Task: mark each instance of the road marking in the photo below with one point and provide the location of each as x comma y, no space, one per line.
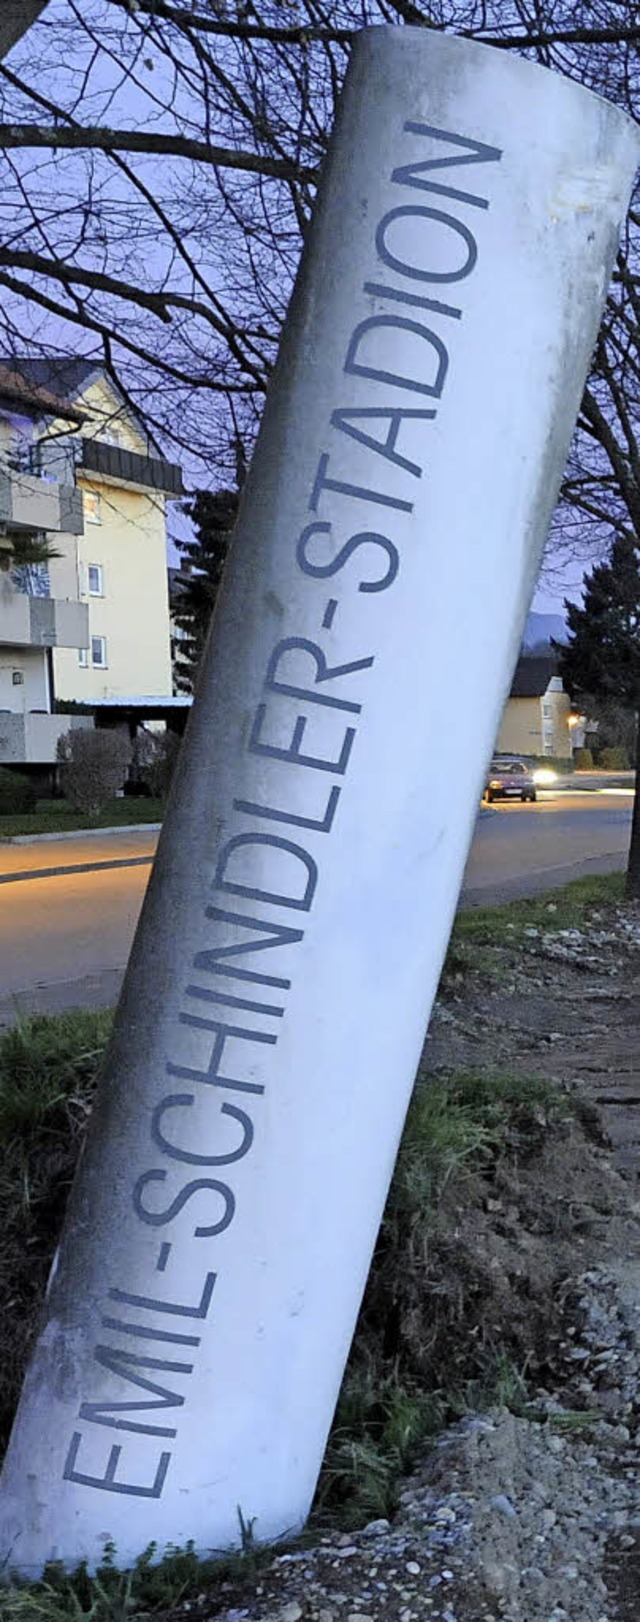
78,867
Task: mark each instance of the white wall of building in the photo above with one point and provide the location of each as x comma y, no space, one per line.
32,692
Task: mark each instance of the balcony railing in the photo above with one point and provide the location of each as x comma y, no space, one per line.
37,502
33,737
42,622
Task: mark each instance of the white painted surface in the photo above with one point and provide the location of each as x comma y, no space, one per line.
427,615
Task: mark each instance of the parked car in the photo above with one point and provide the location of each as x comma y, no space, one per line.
509,780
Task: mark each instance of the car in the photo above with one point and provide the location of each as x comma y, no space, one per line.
509,780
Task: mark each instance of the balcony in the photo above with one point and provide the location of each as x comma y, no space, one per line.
42,622
31,739
30,502
119,466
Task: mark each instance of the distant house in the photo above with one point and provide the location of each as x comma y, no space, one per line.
78,467
536,715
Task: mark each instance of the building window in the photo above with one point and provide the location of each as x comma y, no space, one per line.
91,506
94,576
17,678
99,651
547,710
83,658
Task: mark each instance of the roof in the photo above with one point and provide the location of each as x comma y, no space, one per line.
147,701
69,376
64,375
33,396
532,675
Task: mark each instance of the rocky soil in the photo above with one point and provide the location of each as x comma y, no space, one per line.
528,1512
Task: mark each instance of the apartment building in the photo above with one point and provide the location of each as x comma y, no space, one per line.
91,625
36,619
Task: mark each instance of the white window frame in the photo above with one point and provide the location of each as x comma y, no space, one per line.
95,591
99,664
90,497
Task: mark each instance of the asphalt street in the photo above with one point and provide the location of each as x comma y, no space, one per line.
522,849
68,908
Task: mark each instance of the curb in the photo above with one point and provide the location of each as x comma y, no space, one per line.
78,867
81,833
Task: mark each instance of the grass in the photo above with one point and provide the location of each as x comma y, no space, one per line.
47,1076
55,816
418,1357
389,1407
404,1377
497,928
153,1585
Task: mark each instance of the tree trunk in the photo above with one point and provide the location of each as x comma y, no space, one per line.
632,886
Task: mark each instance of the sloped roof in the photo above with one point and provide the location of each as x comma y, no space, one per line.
69,376
64,375
32,395
532,675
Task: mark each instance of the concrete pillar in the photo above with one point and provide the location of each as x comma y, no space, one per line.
217,1245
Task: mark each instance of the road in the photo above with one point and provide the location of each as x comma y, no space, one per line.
65,937
522,849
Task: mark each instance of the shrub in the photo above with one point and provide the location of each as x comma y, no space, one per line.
92,766
614,759
17,793
162,750
583,760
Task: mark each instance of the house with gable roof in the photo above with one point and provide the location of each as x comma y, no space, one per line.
79,470
536,716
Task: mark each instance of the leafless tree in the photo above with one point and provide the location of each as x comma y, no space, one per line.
159,166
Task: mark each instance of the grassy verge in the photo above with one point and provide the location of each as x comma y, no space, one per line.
432,1340
481,936
55,816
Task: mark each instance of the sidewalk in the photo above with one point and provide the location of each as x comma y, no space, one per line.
45,855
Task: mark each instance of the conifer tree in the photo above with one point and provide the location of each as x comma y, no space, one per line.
602,658
213,514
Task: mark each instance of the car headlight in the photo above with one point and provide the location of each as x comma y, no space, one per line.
496,782
544,775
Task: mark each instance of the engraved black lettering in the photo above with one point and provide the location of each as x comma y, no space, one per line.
293,753
400,323
108,1482
466,151
155,1219
175,1101
418,272
336,560
321,825
211,1076
347,423
356,492
245,842
181,1309
128,1365
227,1001
240,1032
146,1332
210,961
399,295
322,673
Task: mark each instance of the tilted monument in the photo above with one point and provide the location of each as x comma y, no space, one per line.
217,1243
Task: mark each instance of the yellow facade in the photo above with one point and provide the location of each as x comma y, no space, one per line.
537,726
118,567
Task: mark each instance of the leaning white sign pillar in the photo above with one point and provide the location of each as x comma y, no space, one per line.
219,1235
